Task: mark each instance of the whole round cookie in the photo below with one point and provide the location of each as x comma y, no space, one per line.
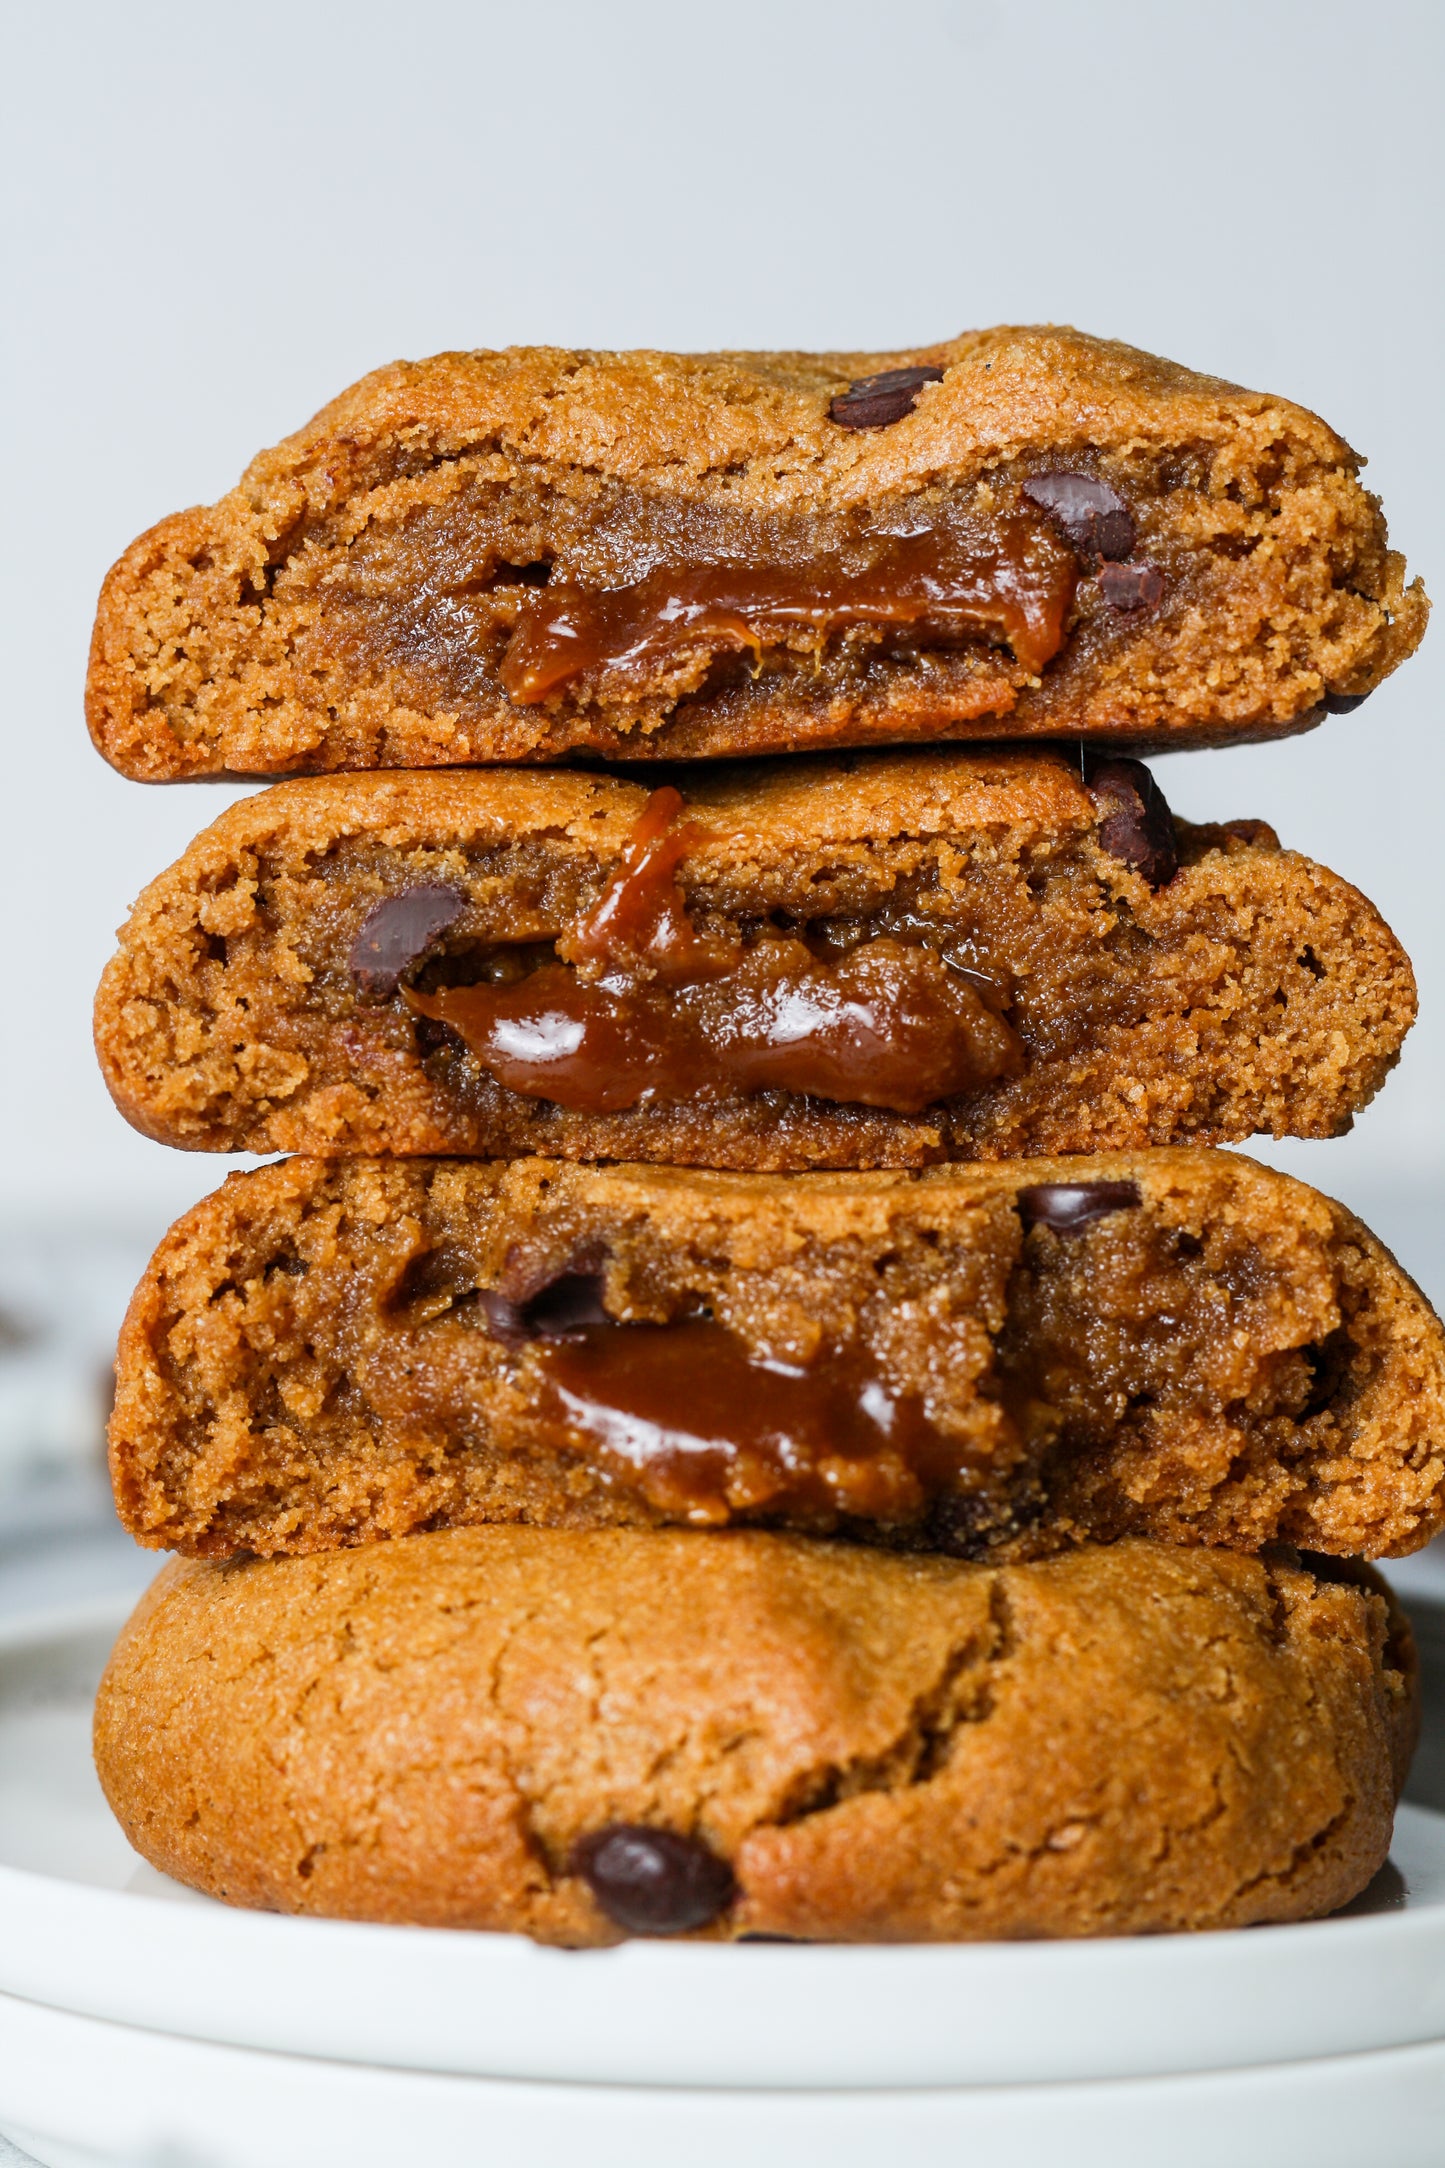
577,1735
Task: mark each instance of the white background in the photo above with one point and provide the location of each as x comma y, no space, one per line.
218,216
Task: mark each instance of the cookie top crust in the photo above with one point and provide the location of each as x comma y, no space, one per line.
493,1728
1041,534
760,422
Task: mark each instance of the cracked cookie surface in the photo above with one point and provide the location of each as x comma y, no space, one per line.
993,1360
1125,1739
1020,970
519,555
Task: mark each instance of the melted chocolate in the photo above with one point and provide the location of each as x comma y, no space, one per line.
701,1428
1015,584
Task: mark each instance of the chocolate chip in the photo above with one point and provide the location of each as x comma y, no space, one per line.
399,929
875,401
1131,588
1344,703
653,1881
1068,1207
553,1312
1135,823
1092,518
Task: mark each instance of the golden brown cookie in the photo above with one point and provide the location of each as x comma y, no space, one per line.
994,1360
576,1736
880,959
512,556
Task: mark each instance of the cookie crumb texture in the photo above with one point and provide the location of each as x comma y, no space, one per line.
514,556
1251,991
883,1749
994,1361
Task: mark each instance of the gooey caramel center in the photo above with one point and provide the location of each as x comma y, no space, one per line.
676,1014
704,1429
1014,582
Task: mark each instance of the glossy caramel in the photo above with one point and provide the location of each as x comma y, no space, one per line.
1013,582
702,1429
676,1015
886,1026
641,915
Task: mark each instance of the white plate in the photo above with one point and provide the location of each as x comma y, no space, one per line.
89,1928
80,2094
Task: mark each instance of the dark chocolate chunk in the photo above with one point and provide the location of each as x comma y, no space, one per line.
399,930
1344,703
1135,823
875,401
1068,1207
654,1881
1131,588
562,1307
1092,518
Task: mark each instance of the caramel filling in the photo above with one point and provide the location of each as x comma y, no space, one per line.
1119,1344
672,1013
1015,584
684,1414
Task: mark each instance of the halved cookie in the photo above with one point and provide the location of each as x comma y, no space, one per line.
991,1360
878,960
511,556
579,1737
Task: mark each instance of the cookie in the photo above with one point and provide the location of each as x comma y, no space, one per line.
581,1736
879,959
514,556
991,1360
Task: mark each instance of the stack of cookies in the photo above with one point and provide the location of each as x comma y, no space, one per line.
755,1406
